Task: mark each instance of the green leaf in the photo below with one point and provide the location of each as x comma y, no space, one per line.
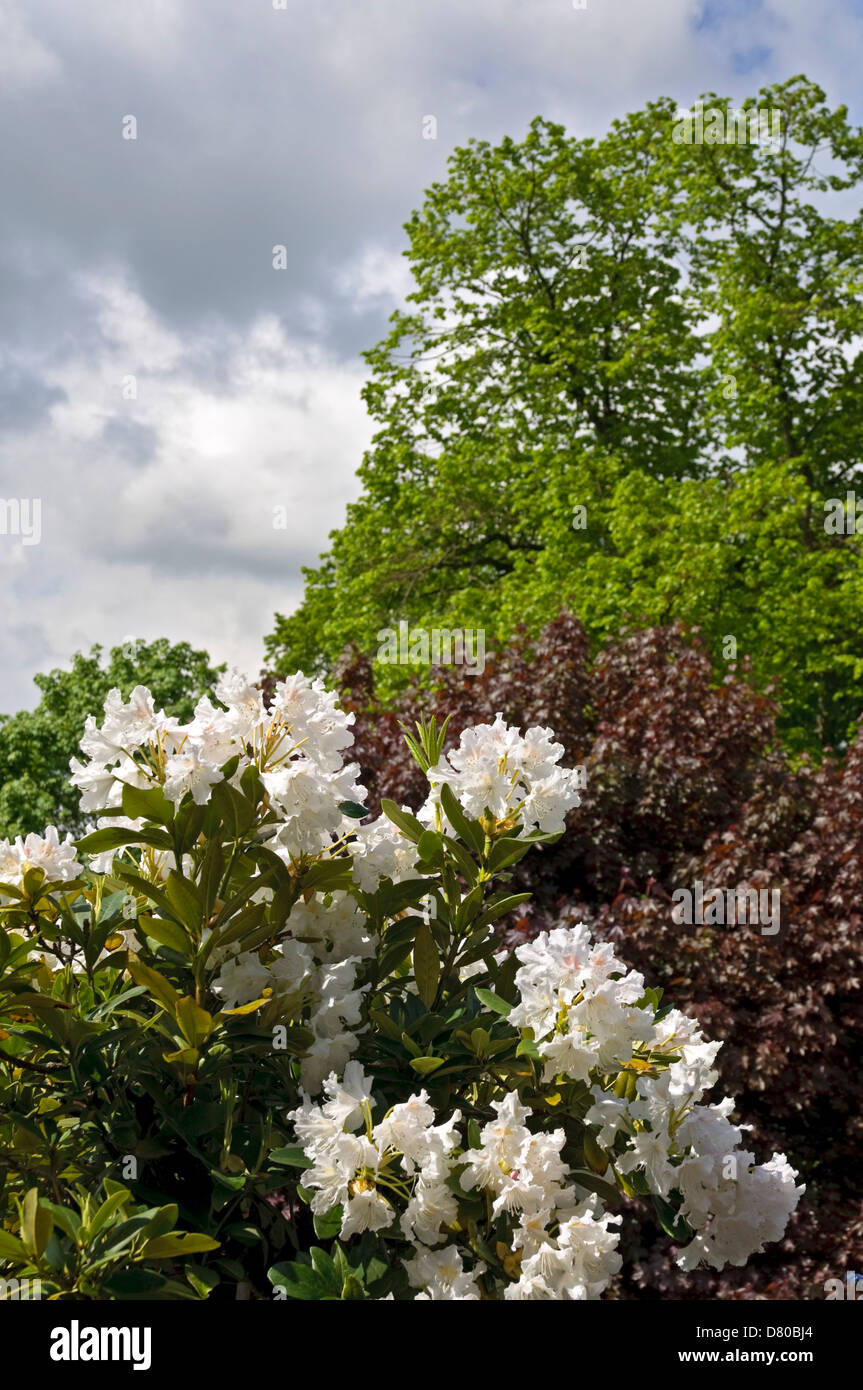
234,1182
291,1156
430,847
468,868
148,889
111,837
245,1233
212,868
177,1244
671,1222
155,984
299,1281
163,1220
407,824
185,899
131,1283
12,1249
37,1223
328,874
392,898
33,882
493,1002
195,1023
426,964
353,809
328,1225
184,1056
188,825
202,1278
500,908
68,1220
424,1066
236,812
238,929
111,1205
469,830
507,851
652,997
149,804
166,933
385,1025
469,908
325,1266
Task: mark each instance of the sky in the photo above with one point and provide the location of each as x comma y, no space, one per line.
167,392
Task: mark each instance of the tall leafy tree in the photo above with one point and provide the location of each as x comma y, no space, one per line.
782,279
635,326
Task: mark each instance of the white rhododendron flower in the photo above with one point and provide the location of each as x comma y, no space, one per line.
441,1276
577,1263
380,851
579,1000
494,768
55,857
296,746
188,772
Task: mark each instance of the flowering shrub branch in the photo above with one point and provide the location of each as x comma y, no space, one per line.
248,997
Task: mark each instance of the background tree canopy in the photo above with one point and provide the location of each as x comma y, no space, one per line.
666,334
36,745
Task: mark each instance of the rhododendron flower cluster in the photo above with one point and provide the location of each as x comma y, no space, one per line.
55,857
295,744
318,960
400,1169
328,995
587,1013
652,1125
496,769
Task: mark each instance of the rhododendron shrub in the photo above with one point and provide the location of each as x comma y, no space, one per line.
241,1003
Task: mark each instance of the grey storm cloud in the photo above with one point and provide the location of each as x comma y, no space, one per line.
25,398
130,439
162,387
252,131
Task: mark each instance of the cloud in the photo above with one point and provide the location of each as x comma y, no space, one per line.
24,60
160,491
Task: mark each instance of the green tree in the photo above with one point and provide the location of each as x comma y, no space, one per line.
654,330
36,745
783,280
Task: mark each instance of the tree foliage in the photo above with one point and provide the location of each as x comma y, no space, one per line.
664,334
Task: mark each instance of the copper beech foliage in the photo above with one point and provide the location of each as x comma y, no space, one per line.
687,782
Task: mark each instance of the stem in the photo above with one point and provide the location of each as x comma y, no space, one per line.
44,1068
